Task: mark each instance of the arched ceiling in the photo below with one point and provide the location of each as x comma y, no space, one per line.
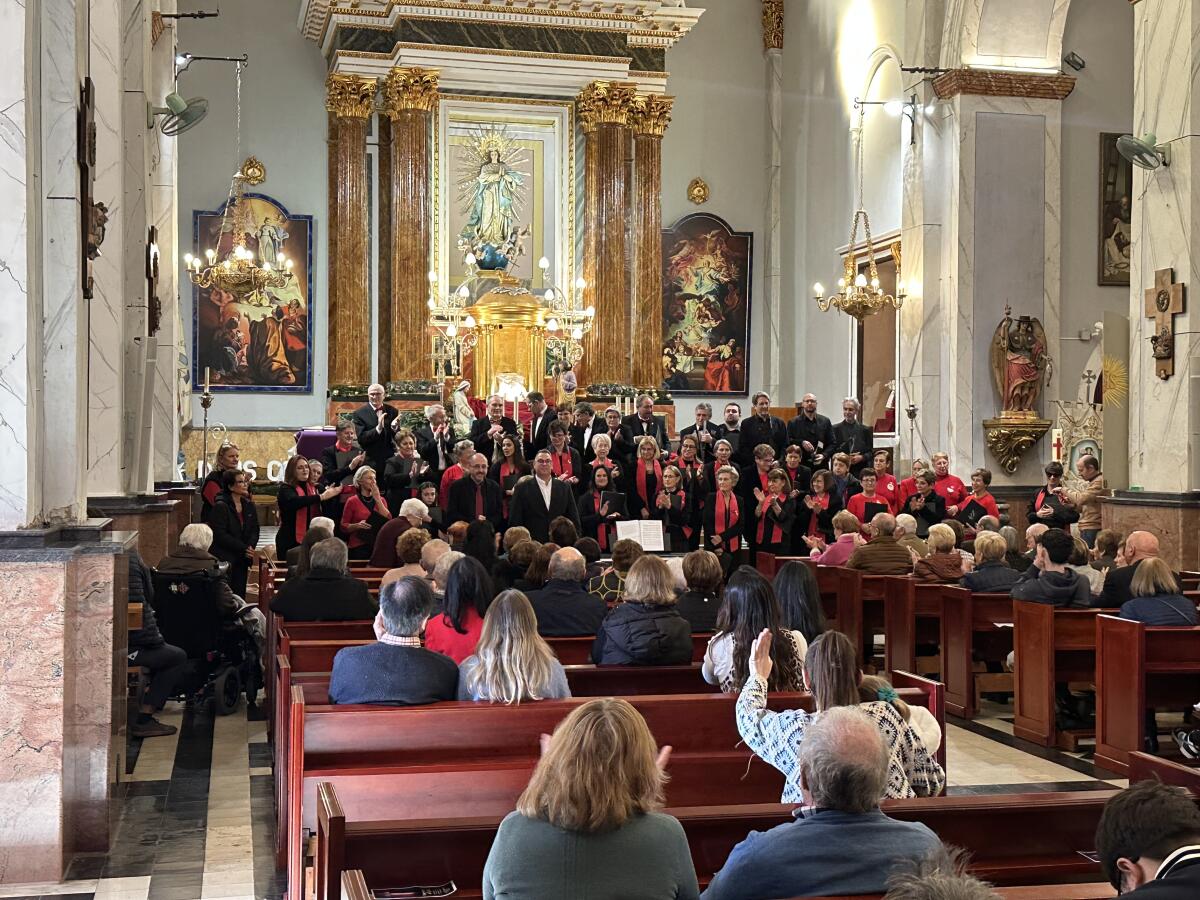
1018,34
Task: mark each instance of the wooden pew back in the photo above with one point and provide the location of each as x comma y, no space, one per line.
964,615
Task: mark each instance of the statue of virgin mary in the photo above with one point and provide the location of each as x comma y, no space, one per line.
492,202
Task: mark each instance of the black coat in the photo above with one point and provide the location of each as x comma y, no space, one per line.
755,431
656,428
460,506
231,535
578,468
541,439
706,449
483,443
699,610
1062,517
734,438
565,609
331,473
141,590
527,508
931,513
1116,590
585,446
400,480
637,634
291,502
427,449
712,527
622,445
854,437
377,444
324,595
818,432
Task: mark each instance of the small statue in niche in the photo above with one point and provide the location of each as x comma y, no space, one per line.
97,226
1020,364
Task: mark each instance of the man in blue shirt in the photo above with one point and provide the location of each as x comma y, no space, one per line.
843,843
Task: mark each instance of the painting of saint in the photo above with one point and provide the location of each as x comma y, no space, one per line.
706,306
1116,187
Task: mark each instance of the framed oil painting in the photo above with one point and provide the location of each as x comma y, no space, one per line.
258,343
706,306
1116,188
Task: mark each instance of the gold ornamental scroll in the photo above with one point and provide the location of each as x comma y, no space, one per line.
350,100
409,97
649,120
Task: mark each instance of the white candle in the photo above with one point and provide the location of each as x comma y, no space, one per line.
206,371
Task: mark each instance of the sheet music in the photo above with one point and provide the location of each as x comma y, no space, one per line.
647,532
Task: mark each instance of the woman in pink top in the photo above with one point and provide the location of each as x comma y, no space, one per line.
456,631
846,540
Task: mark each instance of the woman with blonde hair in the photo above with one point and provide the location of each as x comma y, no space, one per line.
588,823
1157,600
943,565
647,629
644,480
512,662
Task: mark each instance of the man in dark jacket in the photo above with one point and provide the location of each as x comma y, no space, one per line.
165,663
396,670
852,437
375,424
1049,580
644,423
475,496
563,608
761,428
1148,841
1138,546
537,432
326,593
813,432
537,501
487,432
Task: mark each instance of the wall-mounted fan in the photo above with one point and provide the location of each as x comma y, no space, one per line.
179,115
1143,152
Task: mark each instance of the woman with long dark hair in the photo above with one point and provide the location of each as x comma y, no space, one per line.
299,503
748,607
468,592
508,470
799,600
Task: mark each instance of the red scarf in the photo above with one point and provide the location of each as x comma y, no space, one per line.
343,448
641,481
776,531
602,528
506,469
813,524
687,529
562,466
304,513
726,517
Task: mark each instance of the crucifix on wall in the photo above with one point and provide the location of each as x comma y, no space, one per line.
1164,301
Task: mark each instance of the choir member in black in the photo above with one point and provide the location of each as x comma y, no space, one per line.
540,417
731,428
673,507
813,432
722,455
299,503
800,476
227,461
723,521
475,498
845,485
852,437
234,526
565,461
821,504
435,442
761,428
375,424
537,501
926,506
1051,506
754,477
602,458
644,423
429,496
622,438
341,461
585,427
692,469
599,521
774,514
511,467
486,432
643,480
704,430
404,472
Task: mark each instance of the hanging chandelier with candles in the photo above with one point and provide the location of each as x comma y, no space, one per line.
453,327
569,319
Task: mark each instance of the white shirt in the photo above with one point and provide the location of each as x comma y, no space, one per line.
546,488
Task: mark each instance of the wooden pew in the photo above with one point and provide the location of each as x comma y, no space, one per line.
1052,646
1143,766
911,613
1139,667
967,618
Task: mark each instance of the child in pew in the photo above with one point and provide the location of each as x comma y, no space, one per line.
919,719
512,662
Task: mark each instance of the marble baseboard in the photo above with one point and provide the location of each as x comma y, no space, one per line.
1174,518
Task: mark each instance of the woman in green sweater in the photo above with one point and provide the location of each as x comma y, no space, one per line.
586,825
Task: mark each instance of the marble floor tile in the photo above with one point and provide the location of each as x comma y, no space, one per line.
49,888
156,758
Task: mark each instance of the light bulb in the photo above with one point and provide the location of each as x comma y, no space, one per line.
841,284
549,296
470,259
552,325
289,265
451,331
543,264
464,292
860,280
819,289
210,253
187,258
432,277
893,107
590,311
577,334
469,321
875,283
430,303
580,283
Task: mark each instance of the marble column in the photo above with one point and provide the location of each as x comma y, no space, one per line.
649,120
351,100
409,98
772,24
608,105
590,220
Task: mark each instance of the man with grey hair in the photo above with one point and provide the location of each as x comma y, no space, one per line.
430,554
322,524
327,593
435,441
487,431
644,423
375,423
842,843
906,535
476,497
942,875
882,554
704,430
564,607
396,670
852,437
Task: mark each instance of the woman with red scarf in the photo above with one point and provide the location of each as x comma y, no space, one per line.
774,514
723,523
299,503
364,514
597,520
643,483
694,484
404,472
822,504
800,477
565,461
722,456
672,506
509,470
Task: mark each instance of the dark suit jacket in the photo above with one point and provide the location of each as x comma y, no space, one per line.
818,432
324,595
483,443
330,473
378,445
1116,586
540,440
705,449
657,429
755,431
585,447
854,438
427,449
460,507
622,444
527,507
392,676
565,608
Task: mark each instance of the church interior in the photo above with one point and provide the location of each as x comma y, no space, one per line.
804,279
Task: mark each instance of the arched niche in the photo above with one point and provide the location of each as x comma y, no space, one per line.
1020,34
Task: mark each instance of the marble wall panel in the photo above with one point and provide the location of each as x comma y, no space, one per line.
1177,526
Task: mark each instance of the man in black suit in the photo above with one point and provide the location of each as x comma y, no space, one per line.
376,424
705,431
621,437
813,433
487,431
476,496
585,428
564,607
644,423
852,437
731,428
1138,546
326,593
341,459
541,416
435,442
761,428
539,500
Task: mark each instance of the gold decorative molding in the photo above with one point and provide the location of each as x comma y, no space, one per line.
1009,439
992,83
606,103
351,96
253,172
410,88
697,191
772,24
651,114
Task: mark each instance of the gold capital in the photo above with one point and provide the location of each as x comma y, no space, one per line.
606,103
772,24
350,95
410,88
651,114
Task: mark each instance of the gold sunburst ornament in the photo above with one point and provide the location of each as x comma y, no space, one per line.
1115,387
697,191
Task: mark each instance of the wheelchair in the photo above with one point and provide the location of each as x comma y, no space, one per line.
223,657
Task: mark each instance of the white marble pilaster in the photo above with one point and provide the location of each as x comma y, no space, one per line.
774,270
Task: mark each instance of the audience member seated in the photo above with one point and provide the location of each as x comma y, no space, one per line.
1049,580
364,515
563,607
960,536
647,629
319,529
441,571
919,719
844,844
846,539
327,593
519,559
589,817
883,554
1139,545
1032,533
413,515
943,565
538,570
395,670
563,532
986,523
701,601
1156,598
799,600
906,535
234,524
512,662
431,553
1107,549
1078,563
408,556
165,664
480,544
749,608
455,632
610,586
991,573
590,548
831,673
1148,841
942,875
1017,560
505,572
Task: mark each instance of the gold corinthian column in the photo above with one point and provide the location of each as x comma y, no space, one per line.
409,97
605,106
350,100
649,120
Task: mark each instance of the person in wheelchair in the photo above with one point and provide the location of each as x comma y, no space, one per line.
164,664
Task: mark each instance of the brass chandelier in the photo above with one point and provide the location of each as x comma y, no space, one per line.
569,320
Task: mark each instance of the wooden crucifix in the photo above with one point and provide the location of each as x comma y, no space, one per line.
1164,301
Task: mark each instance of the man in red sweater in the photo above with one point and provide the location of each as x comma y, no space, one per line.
949,487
